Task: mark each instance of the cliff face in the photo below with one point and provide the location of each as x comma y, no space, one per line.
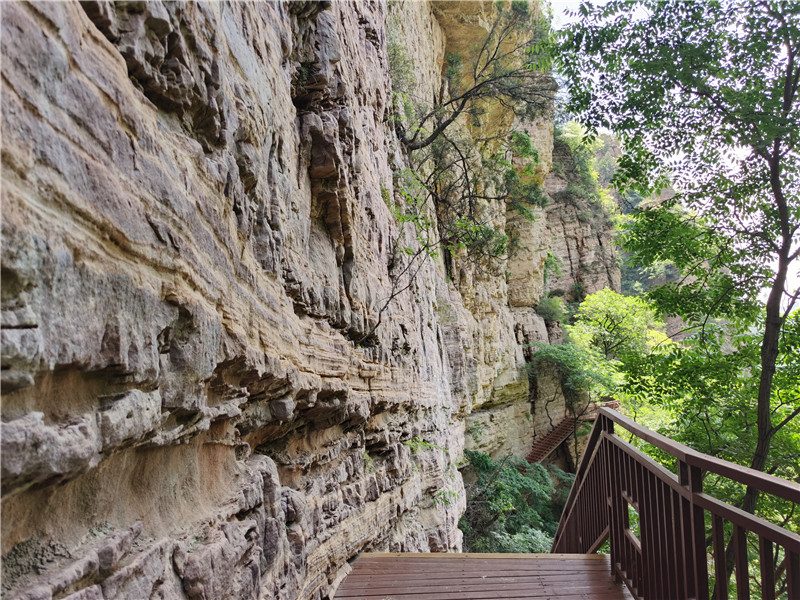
195,247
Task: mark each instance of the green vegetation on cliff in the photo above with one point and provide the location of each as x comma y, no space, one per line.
463,173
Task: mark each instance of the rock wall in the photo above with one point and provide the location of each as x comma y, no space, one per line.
581,237
196,250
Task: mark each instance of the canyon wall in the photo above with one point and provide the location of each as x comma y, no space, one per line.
198,401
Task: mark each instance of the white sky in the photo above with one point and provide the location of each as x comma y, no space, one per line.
559,6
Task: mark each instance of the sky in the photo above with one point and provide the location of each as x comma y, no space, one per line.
559,6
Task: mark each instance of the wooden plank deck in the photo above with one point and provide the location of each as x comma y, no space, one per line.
408,576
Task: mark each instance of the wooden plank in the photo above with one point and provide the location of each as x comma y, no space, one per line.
433,572
482,556
405,576
494,563
467,568
561,595
444,568
449,578
440,558
387,587
571,579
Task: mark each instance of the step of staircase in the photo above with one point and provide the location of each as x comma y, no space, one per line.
545,446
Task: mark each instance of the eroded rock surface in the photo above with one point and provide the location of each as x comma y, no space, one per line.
196,249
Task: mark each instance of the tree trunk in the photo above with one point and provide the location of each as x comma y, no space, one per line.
769,352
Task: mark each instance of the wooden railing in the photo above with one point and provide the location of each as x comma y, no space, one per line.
681,532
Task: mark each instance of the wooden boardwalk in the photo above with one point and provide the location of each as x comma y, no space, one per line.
406,576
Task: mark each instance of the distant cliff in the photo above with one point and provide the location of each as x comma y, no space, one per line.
196,243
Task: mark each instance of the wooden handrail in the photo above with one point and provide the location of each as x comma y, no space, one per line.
775,486
682,531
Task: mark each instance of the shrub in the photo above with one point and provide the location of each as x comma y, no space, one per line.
513,506
552,268
579,370
526,541
551,309
401,67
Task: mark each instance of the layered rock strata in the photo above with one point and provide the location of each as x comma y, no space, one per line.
196,251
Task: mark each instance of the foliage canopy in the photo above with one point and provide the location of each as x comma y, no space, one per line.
618,326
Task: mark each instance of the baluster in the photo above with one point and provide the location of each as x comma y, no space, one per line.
793,574
658,575
767,569
687,558
606,489
718,536
616,521
647,525
679,547
740,551
694,533
668,542
699,536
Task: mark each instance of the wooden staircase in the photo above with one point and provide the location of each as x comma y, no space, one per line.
545,446
682,532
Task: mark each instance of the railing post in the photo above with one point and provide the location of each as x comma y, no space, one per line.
694,533
616,519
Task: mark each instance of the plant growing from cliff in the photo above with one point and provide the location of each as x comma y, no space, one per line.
401,67
578,291
454,198
444,497
575,158
417,444
581,371
401,73
476,431
707,93
507,66
444,205
552,267
551,309
467,178
581,150
463,182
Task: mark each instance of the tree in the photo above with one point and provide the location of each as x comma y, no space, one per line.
702,390
618,326
508,66
454,196
705,95
581,371
512,506
706,92
446,200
